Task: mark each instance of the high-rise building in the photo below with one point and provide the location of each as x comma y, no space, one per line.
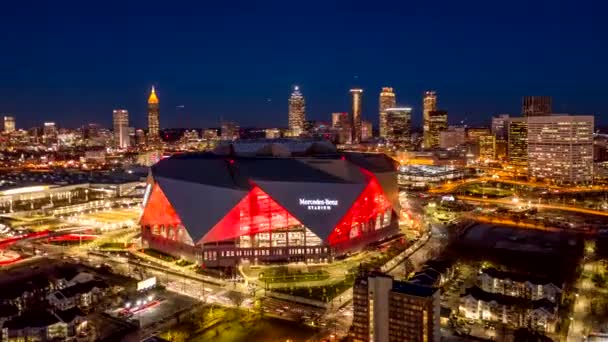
399,127
49,133
9,124
429,104
499,126
536,106
340,123
452,137
355,115
229,130
272,133
502,146
339,120
153,118
560,148
487,147
297,112
140,137
517,141
437,122
386,310
473,133
120,120
387,100
366,130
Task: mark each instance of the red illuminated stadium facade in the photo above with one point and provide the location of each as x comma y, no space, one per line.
221,211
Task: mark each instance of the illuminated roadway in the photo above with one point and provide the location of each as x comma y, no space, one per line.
452,187
509,201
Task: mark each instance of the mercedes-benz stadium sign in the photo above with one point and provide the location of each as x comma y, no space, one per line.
318,204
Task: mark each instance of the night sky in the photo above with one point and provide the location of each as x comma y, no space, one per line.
74,61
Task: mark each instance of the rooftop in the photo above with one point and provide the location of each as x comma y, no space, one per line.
413,289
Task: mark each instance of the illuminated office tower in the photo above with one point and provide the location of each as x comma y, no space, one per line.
297,112
153,118
452,137
229,130
49,132
536,106
399,127
339,120
340,123
140,137
272,133
487,147
473,133
9,124
517,141
388,310
436,123
366,130
499,126
387,100
560,148
120,120
355,115
429,104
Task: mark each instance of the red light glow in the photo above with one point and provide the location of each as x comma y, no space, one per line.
363,214
159,211
257,212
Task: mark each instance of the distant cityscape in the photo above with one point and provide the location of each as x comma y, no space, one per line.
318,231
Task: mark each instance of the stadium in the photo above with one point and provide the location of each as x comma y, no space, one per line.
224,210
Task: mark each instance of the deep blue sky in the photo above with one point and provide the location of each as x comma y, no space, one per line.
74,61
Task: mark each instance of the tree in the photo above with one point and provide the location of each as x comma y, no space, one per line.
237,298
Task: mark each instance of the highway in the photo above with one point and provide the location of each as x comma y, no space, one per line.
509,201
453,186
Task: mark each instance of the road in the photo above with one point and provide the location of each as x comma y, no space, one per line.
509,201
452,187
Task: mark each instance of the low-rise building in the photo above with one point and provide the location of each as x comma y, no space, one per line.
44,326
81,295
520,285
479,305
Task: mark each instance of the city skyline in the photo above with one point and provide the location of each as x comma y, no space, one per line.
236,73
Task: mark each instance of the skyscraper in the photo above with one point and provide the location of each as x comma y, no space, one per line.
153,118
517,141
536,106
499,126
339,120
9,124
355,115
366,130
560,148
394,311
429,104
120,120
398,127
487,147
387,100
437,121
297,112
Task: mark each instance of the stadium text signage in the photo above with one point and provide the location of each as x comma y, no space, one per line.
319,204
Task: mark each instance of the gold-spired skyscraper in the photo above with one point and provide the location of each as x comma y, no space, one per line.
429,104
297,112
387,100
355,115
153,118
